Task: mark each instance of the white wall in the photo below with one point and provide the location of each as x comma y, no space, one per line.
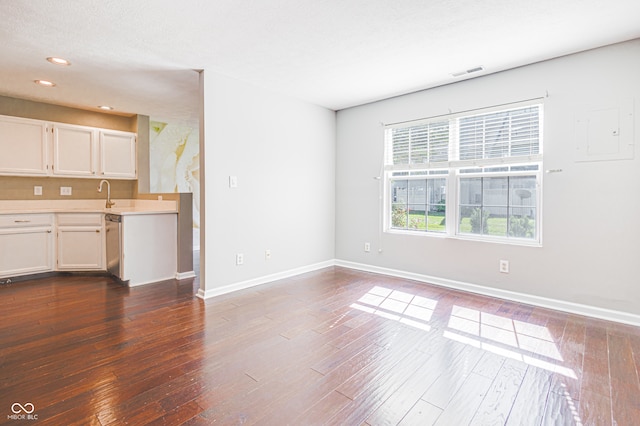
283,154
591,211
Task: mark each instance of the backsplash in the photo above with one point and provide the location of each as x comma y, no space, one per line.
21,188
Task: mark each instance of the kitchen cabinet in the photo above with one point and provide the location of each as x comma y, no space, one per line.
117,154
23,147
26,244
80,241
39,148
74,150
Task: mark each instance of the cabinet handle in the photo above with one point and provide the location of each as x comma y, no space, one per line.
97,231
21,221
48,231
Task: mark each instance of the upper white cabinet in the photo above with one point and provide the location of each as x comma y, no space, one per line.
23,147
39,148
74,150
117,154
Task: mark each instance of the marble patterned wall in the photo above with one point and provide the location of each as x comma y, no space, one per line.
174,158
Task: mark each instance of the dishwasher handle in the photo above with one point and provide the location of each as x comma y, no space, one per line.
113,218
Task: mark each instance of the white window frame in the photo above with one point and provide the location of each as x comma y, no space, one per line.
454,166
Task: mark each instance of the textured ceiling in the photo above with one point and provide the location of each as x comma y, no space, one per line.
140,56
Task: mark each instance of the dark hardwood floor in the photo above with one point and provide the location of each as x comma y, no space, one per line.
335,346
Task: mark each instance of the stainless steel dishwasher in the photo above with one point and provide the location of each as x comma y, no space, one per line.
113,224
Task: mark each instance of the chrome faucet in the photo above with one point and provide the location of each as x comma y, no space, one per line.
109,203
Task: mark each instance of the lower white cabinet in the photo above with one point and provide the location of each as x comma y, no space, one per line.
149,248
26,244
80,242
145,246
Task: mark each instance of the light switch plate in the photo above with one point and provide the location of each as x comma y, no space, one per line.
37,190
65,190
233,181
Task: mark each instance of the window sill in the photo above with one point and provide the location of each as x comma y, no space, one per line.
466,237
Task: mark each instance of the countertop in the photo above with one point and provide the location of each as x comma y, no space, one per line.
121,207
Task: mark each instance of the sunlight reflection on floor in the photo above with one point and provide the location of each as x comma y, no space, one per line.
406,308
530,343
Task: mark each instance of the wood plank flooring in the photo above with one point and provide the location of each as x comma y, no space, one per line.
332,347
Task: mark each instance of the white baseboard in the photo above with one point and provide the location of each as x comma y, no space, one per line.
544,302
559,305
185,275
262,280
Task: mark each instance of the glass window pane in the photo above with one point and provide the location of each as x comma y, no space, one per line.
436,197
436,191
495,191
495,169
524,168
399,216
417,218
470,205
522,222
418,192
495,221
473,220
471,191
436,219
399,199
522,190
399,191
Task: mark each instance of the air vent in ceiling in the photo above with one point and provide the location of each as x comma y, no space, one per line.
469,71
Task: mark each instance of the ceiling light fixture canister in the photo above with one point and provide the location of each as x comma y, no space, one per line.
58,61
45,83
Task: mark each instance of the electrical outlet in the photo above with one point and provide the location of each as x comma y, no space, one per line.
37,190
239,259
504,266
367,247
65,190
267,255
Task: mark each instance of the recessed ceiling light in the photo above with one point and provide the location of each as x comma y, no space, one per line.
58,61
45,83
105,107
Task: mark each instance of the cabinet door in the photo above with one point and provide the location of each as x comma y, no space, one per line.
117,154
25,251
80,248
23,146
74,150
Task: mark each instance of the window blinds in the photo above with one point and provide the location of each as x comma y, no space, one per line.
418,144
510,135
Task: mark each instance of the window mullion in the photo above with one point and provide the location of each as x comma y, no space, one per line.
452,203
